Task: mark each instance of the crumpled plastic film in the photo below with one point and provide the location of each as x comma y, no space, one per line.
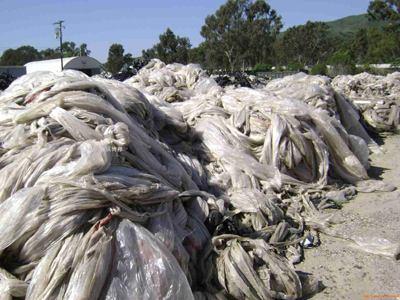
168,186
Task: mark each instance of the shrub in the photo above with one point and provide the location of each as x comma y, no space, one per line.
295,67
319,69
396,63
342,63
262,68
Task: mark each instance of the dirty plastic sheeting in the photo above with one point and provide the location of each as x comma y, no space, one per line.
169,186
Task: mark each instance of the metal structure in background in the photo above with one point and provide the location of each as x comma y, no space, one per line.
59,27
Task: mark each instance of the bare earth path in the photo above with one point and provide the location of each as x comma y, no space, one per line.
349,273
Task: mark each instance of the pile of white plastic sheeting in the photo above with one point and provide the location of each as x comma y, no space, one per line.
313,90
80,177
108,192
377,98
365,85
318,92
174,82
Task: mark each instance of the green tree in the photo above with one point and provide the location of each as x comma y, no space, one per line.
19,56
83,50
128,59
307,44
383,46
49,53
386,10
25,54
149,53
170,48
115,59
240,33
359,45
71,49
342,62
198,55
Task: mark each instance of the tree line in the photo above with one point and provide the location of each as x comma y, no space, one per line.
25,54
247,35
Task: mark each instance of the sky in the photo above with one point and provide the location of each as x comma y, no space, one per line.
136,24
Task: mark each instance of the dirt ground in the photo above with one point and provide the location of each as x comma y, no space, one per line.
349,273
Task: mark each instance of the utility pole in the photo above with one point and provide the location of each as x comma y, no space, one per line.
59,27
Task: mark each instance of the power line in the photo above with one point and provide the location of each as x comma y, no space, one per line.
59,27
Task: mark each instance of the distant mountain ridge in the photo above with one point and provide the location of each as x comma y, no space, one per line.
351,24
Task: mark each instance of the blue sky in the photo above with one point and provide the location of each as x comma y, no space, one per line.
137,23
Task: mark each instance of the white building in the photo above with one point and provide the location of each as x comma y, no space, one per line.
85,64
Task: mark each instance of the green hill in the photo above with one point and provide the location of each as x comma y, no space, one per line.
348,26
351,24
